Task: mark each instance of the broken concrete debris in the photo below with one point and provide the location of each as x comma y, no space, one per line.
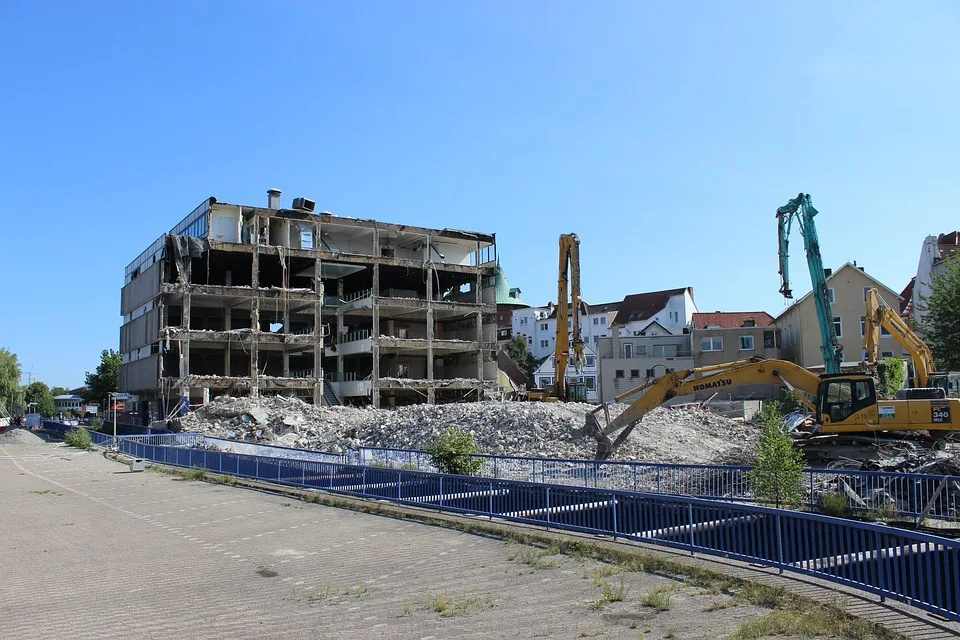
686,434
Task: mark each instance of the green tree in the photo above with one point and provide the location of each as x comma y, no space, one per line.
105,379
941,324
778,468
39,394
9,377
516,348
892,372
452,452
59,391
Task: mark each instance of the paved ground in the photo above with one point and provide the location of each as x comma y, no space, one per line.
89,550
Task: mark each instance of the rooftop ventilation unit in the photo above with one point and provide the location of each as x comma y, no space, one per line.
304,204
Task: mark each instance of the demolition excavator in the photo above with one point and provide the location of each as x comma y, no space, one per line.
841,403
926,380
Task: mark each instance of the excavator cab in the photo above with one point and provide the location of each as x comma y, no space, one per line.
840,396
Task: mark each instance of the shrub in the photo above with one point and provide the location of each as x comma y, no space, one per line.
892,372
452,450
835,504
78,438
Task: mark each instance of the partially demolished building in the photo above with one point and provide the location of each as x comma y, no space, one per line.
245,300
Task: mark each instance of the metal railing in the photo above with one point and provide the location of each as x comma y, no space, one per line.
357,295
916,568
354,336
909,495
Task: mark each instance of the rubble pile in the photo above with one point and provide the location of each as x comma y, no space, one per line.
686,434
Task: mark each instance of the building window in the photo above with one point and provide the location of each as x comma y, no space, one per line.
886,354
830,295
641,350
711,344
884,332
590,361
596,339
749,323
628,351
746,343
634,373
544,382
649,373
863,326
664,351
596,321
591,383
618,373
543,326
529,341
771,339
544,344
865,290
838,326
603,321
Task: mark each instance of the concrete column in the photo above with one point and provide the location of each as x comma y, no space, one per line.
375,331
339,325
431,392
286,354
318,331
227,315
185,338
255,311
478,299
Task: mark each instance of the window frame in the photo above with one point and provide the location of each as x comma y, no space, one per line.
753,342
838,325
711,339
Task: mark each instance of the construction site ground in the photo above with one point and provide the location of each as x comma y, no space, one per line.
92,550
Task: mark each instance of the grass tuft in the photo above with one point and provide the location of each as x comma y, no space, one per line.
658,599
835,504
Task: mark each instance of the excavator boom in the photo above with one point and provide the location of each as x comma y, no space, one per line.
568,303
802,383
802,209
880,316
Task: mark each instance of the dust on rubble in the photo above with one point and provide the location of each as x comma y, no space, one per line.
687,434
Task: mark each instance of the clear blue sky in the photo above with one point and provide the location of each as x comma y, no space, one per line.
664,134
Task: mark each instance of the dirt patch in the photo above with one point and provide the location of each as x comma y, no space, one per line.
20,436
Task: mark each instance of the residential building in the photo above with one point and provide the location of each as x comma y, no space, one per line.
846,289
672,309
722,337
539,325
508,300
68,402
627,362
934,253
246,300
545,375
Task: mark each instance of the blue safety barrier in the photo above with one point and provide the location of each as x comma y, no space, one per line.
910,495
919,569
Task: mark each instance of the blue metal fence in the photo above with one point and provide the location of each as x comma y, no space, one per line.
919,569
909,495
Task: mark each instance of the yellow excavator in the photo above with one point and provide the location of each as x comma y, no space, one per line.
926,381
841,403
568,286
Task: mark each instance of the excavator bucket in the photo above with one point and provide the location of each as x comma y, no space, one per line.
595,423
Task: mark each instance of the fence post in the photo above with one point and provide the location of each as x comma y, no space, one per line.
441,491
690,514
658,478
257,468
548,508
586,476
491,499
220,455
613,505
303,475
779,546
399,485
882,565
364,481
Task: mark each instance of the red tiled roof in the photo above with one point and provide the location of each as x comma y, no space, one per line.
731,319
641,306
906,296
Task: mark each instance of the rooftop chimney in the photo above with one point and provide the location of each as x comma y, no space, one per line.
273,198
827,273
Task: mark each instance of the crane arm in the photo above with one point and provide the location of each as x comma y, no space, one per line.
879,315
568,286
802,209
679,383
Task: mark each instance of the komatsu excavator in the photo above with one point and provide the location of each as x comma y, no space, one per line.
926,380
841,403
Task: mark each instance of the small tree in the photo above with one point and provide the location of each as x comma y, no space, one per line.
892,372
452,450
941,323
778,468
39,394
106,378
